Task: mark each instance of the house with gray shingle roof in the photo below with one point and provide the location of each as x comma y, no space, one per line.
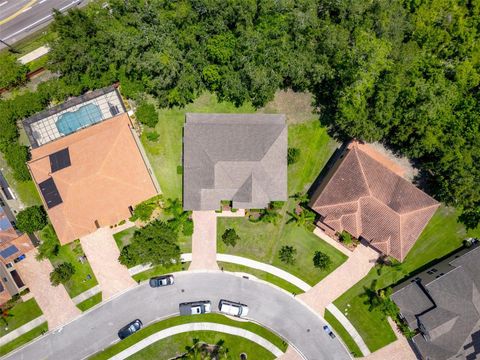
236,157
443,304
365,197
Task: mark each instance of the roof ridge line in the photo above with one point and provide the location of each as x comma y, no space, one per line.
362,170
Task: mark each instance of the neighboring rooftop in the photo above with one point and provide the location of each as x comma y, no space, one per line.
92,177
366,198
443,302
237,157
73,115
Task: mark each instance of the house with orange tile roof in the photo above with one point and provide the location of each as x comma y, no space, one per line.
93,172
365,195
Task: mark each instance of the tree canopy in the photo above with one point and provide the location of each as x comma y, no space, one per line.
402,72
31,219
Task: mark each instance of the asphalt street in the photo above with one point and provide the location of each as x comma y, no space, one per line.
272,308
19,18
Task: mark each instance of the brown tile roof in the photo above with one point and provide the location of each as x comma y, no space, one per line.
4,294
366,198
23,245
107,175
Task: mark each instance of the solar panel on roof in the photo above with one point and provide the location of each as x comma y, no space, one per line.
50,193
12,249
5,223
60,160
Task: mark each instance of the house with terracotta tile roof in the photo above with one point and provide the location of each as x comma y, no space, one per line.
93,172
365,195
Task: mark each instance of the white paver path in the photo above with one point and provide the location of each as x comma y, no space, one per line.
56,305
343,278
22,330
265,267
398,350
35,54
197,327
87,294
350,329
102,253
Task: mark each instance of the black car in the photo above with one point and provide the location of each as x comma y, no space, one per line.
130,329
329,332
161,281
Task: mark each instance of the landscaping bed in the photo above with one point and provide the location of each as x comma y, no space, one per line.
442,235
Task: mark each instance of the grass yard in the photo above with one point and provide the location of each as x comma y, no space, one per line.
23,339
159,270
165,154
262,275
175,346
71,253
90,302
20,314
346,338
164,324
442,236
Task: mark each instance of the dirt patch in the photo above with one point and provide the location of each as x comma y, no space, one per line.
296,105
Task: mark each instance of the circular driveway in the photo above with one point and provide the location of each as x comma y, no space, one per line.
271,307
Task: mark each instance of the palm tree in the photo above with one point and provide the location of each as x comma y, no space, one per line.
269,216
303,218
301,198
174,207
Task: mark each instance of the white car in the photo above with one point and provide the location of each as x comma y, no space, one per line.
233,308
195,307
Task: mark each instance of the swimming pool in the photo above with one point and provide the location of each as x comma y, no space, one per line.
71,121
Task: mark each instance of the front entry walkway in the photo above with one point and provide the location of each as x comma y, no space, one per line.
204,241
54,301
102,253
343,278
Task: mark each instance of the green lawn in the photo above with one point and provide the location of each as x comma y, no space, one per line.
20,314
215,318
70,253
165,154
340,331
175,346
90,302
159,270
285,285
23,339
442,236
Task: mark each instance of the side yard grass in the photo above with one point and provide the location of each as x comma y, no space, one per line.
340,330
442,235
19,315
90,302
23,339
262,275
164,324
174,346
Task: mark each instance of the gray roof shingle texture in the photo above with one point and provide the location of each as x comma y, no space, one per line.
365,198
238,157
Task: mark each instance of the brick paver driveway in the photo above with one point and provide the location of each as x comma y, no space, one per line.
204,241
54,301
102,253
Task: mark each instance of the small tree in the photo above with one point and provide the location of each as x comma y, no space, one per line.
230,237
152,135
292,155
147,114
31,219
321,260
12,72
143,211
287,254
62,273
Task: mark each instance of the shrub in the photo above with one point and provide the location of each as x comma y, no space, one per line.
321,260
31,219
16,156
292,155
187,228
12,72
62,273
346,238
287,254
230,237
49,246
179,169
143,211
152,136
147,114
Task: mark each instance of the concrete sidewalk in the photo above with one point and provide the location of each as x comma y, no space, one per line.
198,327
35,54
87,294
22,330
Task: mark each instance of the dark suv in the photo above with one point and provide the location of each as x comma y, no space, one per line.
130,329
160,281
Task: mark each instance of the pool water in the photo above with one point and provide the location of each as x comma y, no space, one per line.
71,121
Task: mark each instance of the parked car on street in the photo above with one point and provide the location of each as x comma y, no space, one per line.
195,307
130,329
160,281
329,331
232,308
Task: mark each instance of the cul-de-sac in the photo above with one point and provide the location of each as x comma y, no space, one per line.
239,180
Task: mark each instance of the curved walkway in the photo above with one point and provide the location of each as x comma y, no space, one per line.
265,267
204,326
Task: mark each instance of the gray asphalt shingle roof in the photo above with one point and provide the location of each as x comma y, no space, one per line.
238,157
